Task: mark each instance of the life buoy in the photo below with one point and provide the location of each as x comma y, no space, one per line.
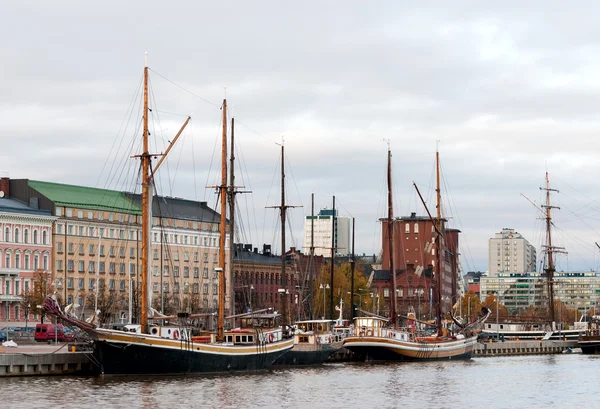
176,334
370,333
271,337
361,334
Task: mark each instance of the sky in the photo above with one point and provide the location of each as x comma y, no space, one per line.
505,90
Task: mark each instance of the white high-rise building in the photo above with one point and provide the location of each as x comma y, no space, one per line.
510,252
322,233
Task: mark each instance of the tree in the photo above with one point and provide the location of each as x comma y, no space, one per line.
470,305
109,302
35,296
341,288
494,305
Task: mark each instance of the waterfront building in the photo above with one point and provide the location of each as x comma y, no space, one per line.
97,249
415,261
323,228
577,290
509,252
25,247
257,280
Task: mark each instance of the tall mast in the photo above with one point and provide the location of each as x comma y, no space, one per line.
550,250
283,211
439,245
332,260
223,197
145,206
390,228
311,261
352,267
231,213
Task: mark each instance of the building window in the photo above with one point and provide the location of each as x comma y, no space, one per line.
215,289
59,265
26,236
166,271
416,228
122,285
81,284
111,284
58,211
196,288
81,266
16,235
131,268
196,272
92,267
205,272
176,271
205,288
121,268
101,267
186,271
92,283
155,287
69,212
186,256
70,283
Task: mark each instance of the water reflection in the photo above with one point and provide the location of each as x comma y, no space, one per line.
523,382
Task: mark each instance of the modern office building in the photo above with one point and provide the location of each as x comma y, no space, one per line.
577,290
318,230
510,252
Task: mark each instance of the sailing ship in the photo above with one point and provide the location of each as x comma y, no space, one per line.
149,348
379,339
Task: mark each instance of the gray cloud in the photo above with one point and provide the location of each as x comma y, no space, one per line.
509,89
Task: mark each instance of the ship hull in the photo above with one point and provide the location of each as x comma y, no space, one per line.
589,344
310,354
128,355
386,349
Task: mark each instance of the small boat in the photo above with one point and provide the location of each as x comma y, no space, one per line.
379,339
315,341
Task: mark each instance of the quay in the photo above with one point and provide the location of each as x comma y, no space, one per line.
523,348
55,359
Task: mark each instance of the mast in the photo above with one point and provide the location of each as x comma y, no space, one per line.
311,261
550,250
439,247
283,211
390,228
223,197
332,260
352,267
145,206
231,212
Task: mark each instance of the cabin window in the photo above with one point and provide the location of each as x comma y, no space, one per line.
303,340
250,338
244,338
237,338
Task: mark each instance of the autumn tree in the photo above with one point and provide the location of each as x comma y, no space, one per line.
494,305
341,289
470,305
35,296
110,301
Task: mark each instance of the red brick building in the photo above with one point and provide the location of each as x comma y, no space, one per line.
415,259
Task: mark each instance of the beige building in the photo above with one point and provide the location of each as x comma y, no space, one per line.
510,252
97,246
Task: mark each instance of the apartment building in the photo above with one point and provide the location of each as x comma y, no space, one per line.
510,252
96,243
318,230
25,246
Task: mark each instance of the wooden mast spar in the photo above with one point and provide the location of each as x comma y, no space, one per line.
223,197
390,227
147,185
439,247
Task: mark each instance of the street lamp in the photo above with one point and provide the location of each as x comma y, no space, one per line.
27,307
326,287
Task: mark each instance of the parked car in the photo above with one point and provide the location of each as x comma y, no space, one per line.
2,336
49,333
68,334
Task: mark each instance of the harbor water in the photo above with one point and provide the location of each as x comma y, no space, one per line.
541,381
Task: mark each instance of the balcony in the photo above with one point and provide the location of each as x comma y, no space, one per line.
9,271
10,298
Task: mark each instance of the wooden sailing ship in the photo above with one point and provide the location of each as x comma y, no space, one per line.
380,339
154,349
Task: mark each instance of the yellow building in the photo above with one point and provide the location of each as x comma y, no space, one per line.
97,240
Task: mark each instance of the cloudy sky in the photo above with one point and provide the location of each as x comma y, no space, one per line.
509,91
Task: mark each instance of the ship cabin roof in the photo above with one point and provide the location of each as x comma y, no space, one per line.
370,322
260,320
317,326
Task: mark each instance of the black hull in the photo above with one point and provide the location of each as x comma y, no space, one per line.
590,345
123,359
378,354
307,357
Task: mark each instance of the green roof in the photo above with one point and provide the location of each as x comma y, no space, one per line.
85,197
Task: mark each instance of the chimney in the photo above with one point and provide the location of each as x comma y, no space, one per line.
267,249
5,186
248,247
255,250
413,215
